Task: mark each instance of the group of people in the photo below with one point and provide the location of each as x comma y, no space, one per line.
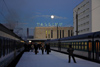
46,47
35,47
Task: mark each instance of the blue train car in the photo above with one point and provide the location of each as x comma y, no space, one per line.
85,45
10,46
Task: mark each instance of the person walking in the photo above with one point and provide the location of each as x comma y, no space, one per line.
32,47
39,46
42,48
47,48
36,48
70,51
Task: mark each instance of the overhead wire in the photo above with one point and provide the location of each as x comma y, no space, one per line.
4,16
8,9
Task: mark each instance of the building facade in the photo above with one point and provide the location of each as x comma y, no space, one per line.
52,33
88,13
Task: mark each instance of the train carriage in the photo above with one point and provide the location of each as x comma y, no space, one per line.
85,45
10,46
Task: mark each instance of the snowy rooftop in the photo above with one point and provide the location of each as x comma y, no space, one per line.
54,59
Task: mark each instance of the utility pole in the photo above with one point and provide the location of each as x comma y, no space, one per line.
57,31
77,21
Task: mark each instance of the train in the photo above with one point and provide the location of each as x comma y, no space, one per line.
11,46
85,45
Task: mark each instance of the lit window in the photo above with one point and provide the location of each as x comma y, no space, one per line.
49,34
46,33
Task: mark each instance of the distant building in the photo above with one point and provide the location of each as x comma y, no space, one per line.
51,32
88,16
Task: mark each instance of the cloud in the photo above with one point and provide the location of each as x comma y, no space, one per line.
31,27
38,13
48,16
23,23
58,17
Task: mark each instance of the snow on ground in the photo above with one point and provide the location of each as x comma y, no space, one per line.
54,59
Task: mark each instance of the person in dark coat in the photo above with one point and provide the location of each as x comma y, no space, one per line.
70,51
42,48
39,45
32,47
36,48
47,48
25,47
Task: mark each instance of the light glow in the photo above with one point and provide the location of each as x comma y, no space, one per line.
52,16
30,41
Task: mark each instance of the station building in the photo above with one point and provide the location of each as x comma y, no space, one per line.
44,33
88,13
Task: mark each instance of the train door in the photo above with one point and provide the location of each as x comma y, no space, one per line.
97,48
90,49
59,44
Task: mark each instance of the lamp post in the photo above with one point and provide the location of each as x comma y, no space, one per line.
52,17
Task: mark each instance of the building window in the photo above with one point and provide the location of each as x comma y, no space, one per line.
51,33
87,16
87,22
68,33
57,33
46,33
71,33
87,29
62,33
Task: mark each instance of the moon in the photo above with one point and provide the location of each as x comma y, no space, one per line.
52,16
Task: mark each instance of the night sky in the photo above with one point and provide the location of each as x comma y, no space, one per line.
22,14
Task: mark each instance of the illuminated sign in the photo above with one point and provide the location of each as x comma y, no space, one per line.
48,24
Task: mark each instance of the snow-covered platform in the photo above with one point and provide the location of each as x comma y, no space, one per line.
54,59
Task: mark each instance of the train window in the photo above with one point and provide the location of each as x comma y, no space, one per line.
62,45
85,45
72,46
66,46
90,46
79,45
0,48
82,45
76,42
97,46
7,46
3,47
76,46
